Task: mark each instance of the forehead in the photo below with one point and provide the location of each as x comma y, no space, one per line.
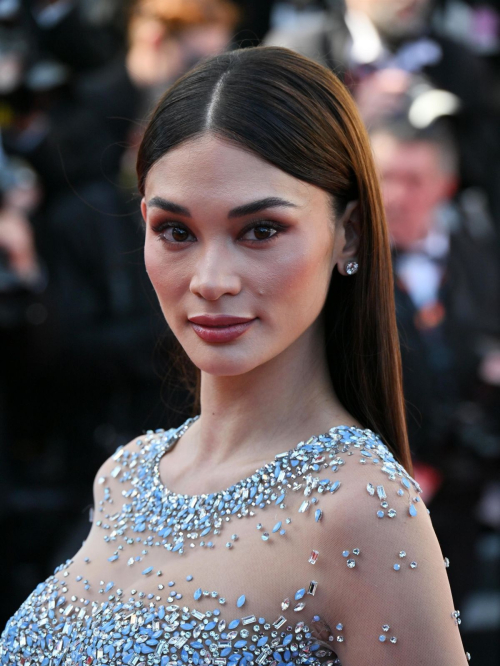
208,167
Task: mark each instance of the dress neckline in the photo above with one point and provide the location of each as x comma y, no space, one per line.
186,498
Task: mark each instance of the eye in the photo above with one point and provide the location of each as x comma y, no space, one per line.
262,232
173,232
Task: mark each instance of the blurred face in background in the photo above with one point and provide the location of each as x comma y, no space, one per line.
414,183
395,18
199,28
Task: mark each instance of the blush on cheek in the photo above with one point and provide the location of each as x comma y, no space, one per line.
300,281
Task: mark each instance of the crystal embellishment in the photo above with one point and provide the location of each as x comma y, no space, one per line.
313,557
136,515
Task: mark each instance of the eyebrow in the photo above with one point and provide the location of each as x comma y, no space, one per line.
239,211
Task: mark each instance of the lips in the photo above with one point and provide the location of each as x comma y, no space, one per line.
220,328
219,320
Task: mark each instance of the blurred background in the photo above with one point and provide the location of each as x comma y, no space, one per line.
85,355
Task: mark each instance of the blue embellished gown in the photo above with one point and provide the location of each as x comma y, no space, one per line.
325,555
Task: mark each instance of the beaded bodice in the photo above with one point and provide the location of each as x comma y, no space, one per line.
226,578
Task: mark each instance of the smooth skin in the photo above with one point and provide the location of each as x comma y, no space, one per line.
268,389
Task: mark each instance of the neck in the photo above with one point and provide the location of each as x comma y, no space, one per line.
269,409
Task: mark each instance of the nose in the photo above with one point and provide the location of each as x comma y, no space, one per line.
215,274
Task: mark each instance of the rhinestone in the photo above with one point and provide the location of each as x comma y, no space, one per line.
413,565
351,563
402,553
393,639
397,567
148,519
313,557
339,626
391,513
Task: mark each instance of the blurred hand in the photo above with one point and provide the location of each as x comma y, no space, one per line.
17,241
382,93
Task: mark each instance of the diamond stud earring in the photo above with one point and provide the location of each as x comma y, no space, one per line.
351,267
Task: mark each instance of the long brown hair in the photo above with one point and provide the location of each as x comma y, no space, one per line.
297,115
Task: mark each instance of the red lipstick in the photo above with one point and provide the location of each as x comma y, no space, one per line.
220,328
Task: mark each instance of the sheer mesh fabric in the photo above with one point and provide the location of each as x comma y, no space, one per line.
305,574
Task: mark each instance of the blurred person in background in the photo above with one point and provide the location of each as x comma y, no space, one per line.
89,369
377,46
165,38
447,288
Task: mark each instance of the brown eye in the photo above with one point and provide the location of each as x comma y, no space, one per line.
260,232
179,234
174,234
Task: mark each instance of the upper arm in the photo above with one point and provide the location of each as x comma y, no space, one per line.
414,602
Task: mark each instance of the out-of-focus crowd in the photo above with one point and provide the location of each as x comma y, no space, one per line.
85,361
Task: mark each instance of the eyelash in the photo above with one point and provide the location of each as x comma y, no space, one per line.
278,227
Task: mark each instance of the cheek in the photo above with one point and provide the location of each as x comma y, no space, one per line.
165,275
297,283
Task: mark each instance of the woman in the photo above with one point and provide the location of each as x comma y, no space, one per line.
267,248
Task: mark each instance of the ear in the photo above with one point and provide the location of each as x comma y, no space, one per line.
350,233
144,209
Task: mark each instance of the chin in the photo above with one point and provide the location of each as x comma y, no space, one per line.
220,363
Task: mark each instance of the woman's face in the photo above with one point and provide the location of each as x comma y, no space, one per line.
229,234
